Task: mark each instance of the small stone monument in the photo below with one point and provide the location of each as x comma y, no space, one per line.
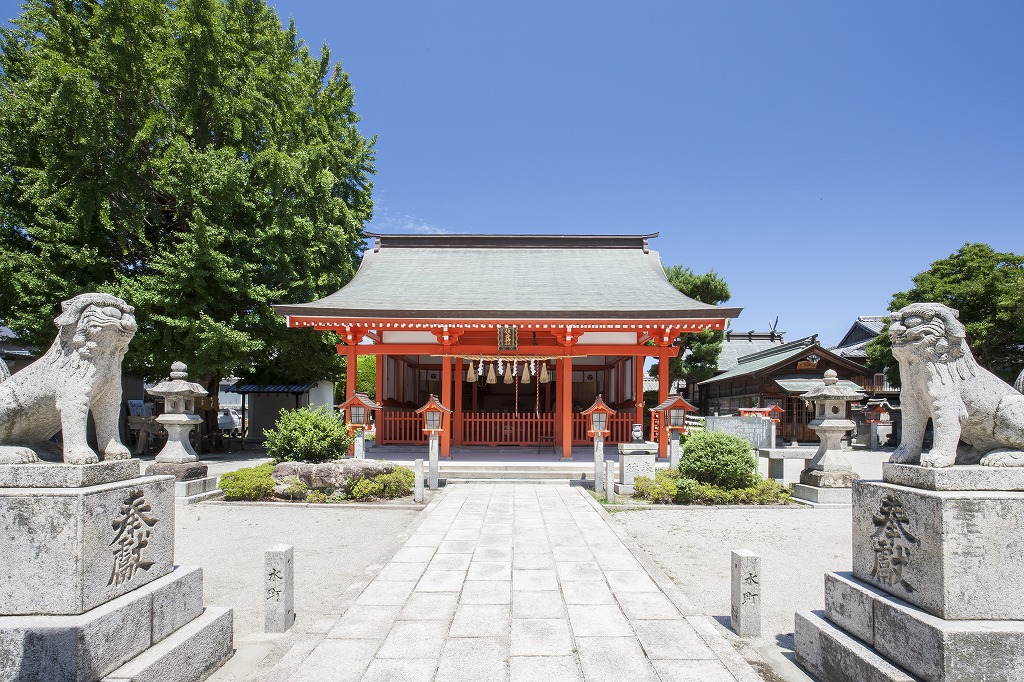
829,477
938,549
636,458
178,458
745,616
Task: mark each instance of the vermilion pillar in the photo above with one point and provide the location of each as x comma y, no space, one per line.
351,370
565,403
662,397
639,362
446,400
457,414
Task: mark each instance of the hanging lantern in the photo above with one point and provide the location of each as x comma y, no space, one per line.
526,374
491,379
544,373
470,374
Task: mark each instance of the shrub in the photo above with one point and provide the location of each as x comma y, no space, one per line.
367,488
321,497
395,484
661,489
311,434
399,483
719,459
764,491
250,483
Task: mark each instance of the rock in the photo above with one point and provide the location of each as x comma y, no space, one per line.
187,471
331,475
289,490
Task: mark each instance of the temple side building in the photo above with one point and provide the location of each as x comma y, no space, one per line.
517,334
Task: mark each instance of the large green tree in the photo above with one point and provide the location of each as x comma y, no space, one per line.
987,287
698,357
190,156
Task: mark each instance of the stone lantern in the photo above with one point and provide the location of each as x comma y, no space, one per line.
598,414
829,468
179,416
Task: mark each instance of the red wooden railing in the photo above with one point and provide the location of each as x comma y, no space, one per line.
400,427
499,428
490,428
620,425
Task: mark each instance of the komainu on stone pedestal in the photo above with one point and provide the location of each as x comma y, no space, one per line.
975,415
81,373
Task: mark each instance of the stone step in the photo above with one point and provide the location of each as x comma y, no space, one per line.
512,481
86,647
538,474
831,655
190,654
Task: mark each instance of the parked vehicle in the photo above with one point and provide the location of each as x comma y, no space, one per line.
228,421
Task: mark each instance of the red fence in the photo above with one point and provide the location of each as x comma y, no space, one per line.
400,427
499,428
620,425
486,428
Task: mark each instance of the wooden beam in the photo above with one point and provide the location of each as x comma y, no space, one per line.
524,353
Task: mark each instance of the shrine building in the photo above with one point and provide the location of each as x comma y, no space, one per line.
516,334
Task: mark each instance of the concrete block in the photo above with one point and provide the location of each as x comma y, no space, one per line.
83,648
177,601
746,593
189,655
196,499
196,487
831,655
50,475
819,495
279,588
957,555
417,495
973,477
850,604
635,464
67,550
947,650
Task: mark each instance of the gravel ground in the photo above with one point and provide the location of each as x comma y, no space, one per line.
797,545
333,546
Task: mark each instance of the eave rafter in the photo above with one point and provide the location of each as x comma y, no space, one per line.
655,329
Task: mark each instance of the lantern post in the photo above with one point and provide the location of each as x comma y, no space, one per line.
598,414
357,410
433,424
673,417
179,416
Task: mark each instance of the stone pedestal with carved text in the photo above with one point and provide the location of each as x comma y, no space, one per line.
935,592
635,459
89,586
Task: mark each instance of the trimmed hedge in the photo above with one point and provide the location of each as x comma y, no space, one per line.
250,483
719,459
308,434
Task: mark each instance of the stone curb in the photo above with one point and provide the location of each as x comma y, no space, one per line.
737,666
309,640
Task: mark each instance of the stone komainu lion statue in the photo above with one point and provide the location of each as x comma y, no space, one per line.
80,373
943,382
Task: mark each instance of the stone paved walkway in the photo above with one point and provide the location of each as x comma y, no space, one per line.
520,582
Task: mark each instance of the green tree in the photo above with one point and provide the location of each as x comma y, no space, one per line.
190,156
698,355
987,287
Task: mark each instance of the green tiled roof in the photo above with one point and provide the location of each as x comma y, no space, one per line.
755,362
511,277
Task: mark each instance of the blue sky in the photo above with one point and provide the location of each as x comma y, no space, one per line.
815,154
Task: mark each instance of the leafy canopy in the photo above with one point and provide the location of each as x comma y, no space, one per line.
987,287
698,357
190,156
